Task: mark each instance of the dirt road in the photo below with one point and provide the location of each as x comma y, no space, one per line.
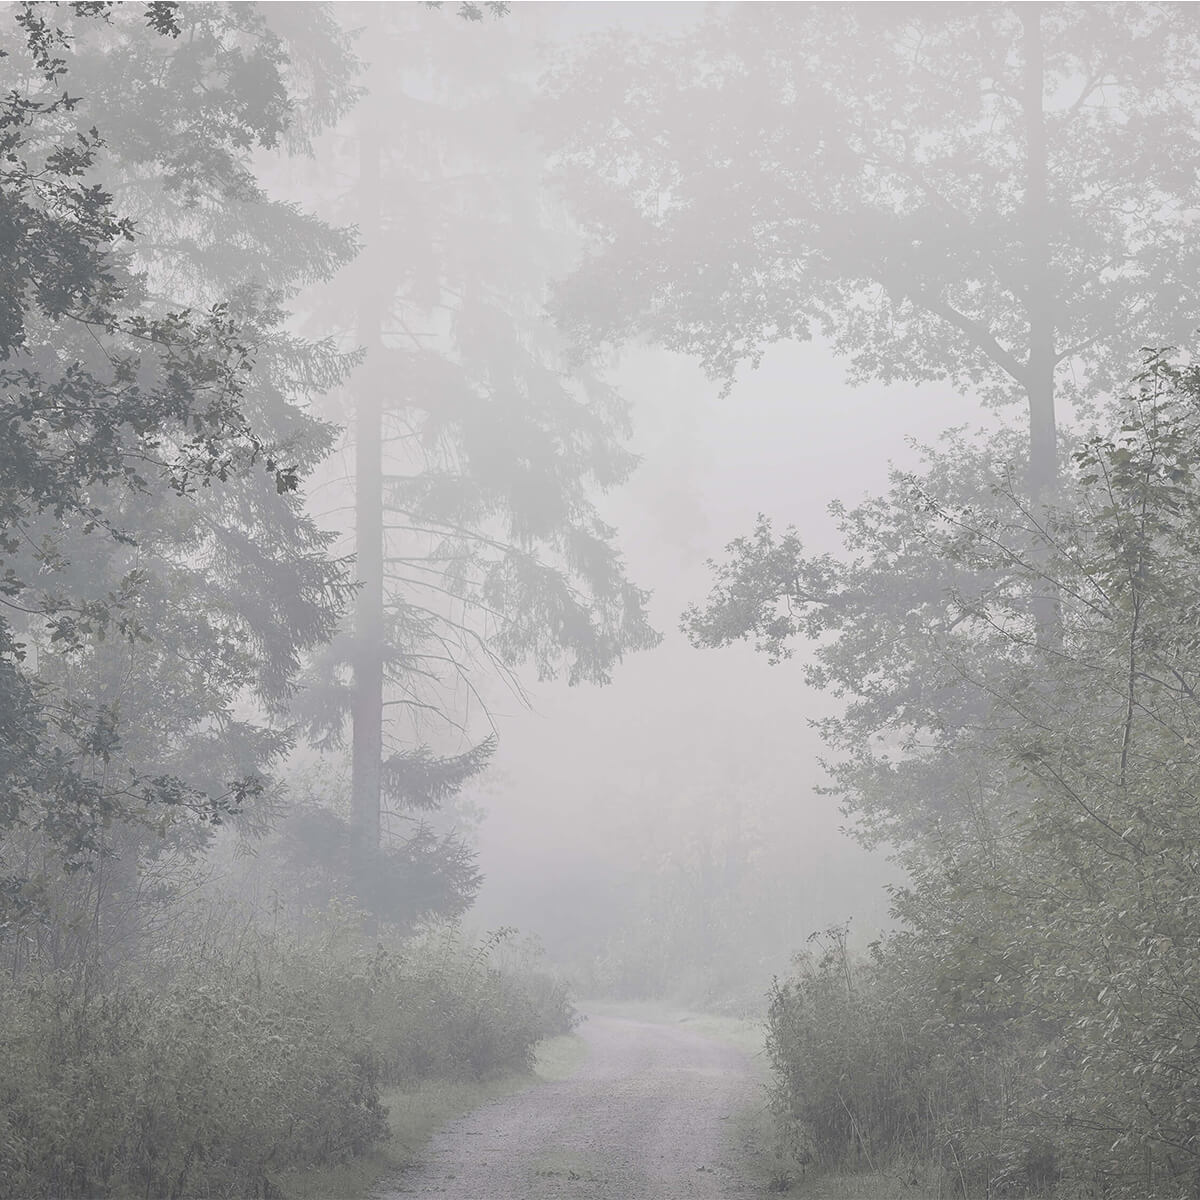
647,1117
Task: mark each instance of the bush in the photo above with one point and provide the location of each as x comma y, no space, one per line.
438,1005
204,1089
207,1072
878,1063
848,1065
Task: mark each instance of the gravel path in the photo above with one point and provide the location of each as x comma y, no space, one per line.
647,1117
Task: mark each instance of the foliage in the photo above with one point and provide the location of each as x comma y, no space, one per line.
440,1007
470,11
872,1072
422,875
205,1088
843,1082
231,1059
993,196
906,629
424,866
159,574
105,398
493,550
164,625
163,580
1046,790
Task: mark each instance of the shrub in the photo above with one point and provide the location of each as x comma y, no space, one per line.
438,1005
847,1062
205,1088
877,1063
209,1070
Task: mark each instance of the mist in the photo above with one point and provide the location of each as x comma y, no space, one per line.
599,599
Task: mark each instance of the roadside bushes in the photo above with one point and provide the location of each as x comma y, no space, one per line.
206,1088
856,1073
887,1062
1023,1036
1022,719
205,1072
439,1005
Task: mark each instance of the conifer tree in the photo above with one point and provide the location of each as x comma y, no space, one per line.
477,541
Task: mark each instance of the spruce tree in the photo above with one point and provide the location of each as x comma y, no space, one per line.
476,451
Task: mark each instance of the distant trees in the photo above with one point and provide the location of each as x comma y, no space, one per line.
998,196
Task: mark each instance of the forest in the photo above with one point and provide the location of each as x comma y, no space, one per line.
598,600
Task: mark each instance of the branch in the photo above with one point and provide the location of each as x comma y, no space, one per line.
980,335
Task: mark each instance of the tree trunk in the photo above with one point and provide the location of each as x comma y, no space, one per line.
366,706
1040,305
1039,299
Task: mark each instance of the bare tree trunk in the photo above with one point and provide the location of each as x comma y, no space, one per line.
1039,299
367,700
1040,305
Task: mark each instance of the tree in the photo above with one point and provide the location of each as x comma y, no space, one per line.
187,621
100,394
476,538
892,632
997,196
1044,796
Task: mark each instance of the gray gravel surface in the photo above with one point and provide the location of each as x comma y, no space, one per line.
647,1117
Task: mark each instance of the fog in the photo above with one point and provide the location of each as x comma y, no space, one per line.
599,599
594,786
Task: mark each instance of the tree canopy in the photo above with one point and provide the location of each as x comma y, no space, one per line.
996,196
106,397
162,575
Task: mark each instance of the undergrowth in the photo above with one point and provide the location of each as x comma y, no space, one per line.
209,1072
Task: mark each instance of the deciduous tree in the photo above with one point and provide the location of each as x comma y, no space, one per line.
998,196
169,575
